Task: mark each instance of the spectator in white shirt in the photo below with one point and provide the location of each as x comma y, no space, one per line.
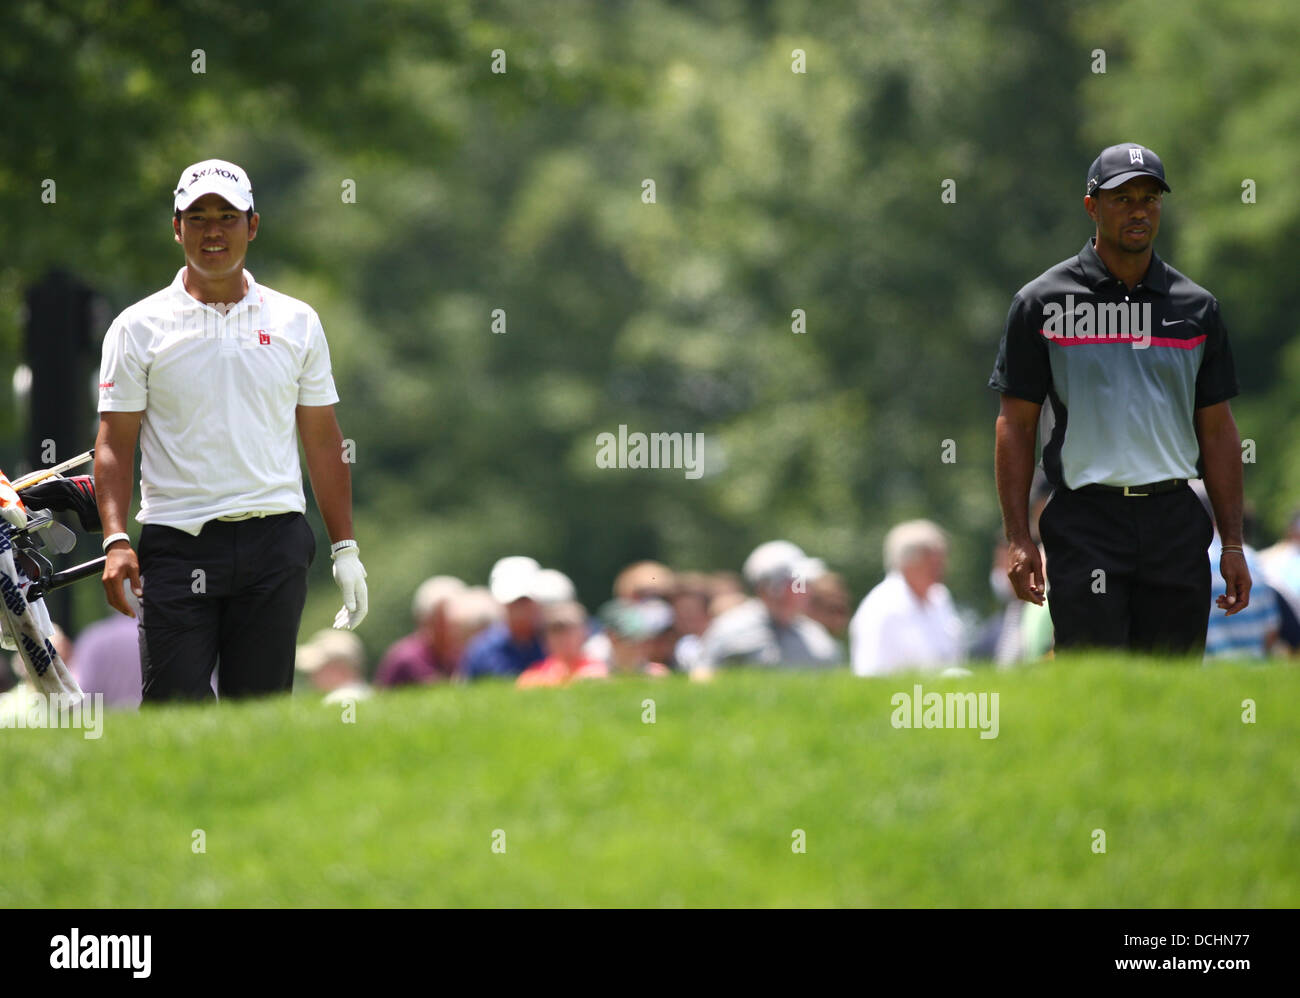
908,620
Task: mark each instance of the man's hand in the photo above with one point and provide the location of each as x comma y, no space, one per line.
350,575
114,455
120,565
1026,572
1232,566
1013,464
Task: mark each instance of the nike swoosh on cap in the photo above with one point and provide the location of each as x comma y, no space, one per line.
1170,322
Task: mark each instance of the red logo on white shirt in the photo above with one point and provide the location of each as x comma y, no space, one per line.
263,337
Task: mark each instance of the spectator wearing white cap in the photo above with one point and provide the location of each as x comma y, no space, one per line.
426,655
771,629
334,661
505,650
550,585
908,621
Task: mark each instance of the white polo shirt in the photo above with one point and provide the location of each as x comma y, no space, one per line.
893,630
219,396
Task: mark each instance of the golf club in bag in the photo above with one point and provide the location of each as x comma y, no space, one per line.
29,534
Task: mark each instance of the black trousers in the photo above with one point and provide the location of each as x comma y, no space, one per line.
233,595
1128,571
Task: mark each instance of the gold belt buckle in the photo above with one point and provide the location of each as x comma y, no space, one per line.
1128,492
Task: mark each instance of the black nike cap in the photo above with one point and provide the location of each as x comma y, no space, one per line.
1119,164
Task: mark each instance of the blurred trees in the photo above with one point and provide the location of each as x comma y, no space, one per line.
520,194
1218,87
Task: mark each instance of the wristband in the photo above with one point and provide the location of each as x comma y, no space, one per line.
1231,547
114,538
338,546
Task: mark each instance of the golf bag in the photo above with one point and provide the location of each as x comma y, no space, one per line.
28,530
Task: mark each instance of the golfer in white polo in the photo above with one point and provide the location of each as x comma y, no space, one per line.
213,374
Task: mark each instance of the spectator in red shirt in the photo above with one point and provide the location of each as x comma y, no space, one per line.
565,628
427,654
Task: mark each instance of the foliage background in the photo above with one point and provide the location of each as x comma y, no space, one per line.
775,191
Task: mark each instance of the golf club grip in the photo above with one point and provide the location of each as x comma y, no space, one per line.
67,577
39,476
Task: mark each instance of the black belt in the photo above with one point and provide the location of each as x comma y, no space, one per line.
1152,489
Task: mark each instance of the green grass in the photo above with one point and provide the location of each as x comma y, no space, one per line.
598,808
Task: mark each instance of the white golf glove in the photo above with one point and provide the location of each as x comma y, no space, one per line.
350,575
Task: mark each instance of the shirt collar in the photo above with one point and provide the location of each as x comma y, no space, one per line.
253,297
1097,276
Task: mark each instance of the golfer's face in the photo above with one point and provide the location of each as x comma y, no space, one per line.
1128,217
215,236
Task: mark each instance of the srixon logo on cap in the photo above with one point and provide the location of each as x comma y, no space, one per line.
218,171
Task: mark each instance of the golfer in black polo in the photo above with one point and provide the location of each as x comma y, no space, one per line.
1135,362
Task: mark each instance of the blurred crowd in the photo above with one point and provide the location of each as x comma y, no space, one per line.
783,609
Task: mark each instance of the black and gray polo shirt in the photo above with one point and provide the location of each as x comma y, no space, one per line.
1124,370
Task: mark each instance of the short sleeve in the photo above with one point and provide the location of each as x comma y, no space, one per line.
1216,381
1022,368
123,373
316,383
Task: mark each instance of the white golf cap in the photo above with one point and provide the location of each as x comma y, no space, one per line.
550,585
214,176
773,561
513,578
